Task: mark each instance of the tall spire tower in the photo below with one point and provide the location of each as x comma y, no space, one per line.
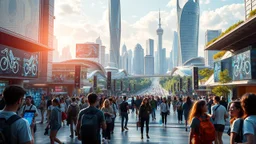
160,58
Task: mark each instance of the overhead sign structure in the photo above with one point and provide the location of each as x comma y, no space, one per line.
195,78
87,50
109,80
77,76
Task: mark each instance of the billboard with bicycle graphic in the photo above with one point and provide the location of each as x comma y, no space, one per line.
240,66
18,63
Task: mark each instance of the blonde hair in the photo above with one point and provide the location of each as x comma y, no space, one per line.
104,103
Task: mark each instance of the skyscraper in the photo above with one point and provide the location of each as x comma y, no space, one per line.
115,30
138,60
164,60
129,61
150,47
149,65
102,48
250,5
188,30
156,66
175,49
160,32
208,55
122,58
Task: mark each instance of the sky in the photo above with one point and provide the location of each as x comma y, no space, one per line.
81,21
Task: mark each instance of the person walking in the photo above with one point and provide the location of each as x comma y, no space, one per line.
73,110
174,104
144,112
202,130
90,121
180,110
219,114
115,110
164,109
153,104
248,102
108,113
186,110
42,108
19,128
124,109
55,121
236,123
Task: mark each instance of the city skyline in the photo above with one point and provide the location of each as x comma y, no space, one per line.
138,25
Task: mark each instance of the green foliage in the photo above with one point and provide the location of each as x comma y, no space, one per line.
219,55
205,73
223,90
140,83
225,32
98,90
252,13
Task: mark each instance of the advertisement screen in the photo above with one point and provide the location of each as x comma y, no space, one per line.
18,63
241,64
217,70
87,50
21,17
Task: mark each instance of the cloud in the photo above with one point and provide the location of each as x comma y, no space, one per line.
171,3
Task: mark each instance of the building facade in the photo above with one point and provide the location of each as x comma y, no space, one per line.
115,31
149,65
188,30
138,60
159,32
164,60
102,51
208,55
129,70
250,5
175,49
150,47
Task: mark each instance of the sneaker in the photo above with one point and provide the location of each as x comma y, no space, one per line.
126,128
71,136
148,136
122,130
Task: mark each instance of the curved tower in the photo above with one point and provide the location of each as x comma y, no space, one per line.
188,30
115,31
159,32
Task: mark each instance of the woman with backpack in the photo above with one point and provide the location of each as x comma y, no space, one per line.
202,130
55,121
108,113
186,109
236,123
180,110
144,112
248,102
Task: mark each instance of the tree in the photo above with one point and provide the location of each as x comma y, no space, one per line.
219,55
223,90
205,73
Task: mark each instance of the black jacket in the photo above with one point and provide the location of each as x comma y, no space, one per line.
145,111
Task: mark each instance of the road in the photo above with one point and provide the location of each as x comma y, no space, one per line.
174,133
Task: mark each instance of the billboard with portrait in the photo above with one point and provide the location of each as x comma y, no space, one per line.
87,50
21,17
18,63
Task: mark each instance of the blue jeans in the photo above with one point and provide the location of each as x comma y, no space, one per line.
124,115
153,113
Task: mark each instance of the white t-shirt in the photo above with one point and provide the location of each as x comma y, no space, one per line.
219,114
20,129
25,107
250,126
236,127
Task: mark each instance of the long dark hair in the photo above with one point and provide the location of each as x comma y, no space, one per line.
188,101
238,105
248,104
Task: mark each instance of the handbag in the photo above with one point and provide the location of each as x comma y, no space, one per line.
138,124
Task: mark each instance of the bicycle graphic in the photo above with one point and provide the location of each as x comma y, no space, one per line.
89,51
30,65
242,65
9,61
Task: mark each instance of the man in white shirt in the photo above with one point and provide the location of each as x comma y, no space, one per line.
219,114
29,107
20,129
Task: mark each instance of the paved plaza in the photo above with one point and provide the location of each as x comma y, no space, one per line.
174,133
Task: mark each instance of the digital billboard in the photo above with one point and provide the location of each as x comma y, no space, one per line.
241,64
18,63
87,50
21,17
217,70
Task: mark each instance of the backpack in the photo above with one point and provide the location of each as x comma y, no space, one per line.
206,130
73,112
180,107
5,128
90,126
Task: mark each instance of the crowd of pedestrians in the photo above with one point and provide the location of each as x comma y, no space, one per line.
92,118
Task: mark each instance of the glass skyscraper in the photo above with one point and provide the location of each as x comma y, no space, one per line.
115,30
250,5
188,30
